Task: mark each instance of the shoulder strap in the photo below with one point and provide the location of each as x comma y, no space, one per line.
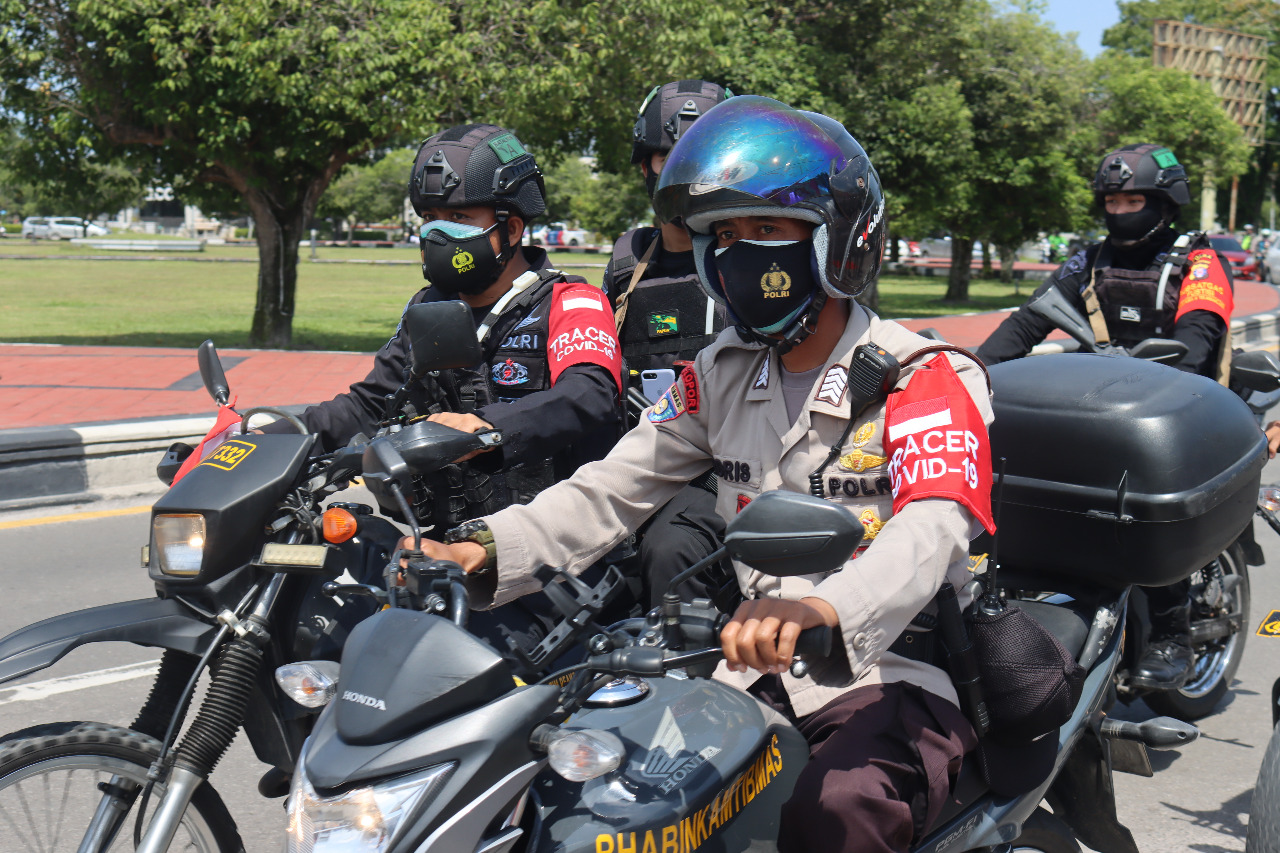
1175,260
1092,307
946,347
522,294
638,273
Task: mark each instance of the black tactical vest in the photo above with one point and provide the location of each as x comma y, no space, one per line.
1133,304
515,366
669,318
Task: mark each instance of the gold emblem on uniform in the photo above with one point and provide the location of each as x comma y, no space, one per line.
872,523
775,283
856,460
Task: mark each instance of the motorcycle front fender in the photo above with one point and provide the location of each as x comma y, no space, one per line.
162,623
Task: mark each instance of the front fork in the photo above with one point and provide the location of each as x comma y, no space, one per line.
207,740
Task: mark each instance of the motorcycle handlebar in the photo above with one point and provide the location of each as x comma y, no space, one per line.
653,662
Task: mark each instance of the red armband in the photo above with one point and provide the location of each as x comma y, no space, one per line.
937,442
581,331
1205,287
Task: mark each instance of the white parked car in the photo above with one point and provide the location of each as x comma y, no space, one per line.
34,227
68,227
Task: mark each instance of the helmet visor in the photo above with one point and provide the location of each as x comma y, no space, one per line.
753,148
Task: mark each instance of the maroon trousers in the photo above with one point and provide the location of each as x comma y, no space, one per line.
882,762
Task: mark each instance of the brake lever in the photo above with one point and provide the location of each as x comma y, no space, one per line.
332,589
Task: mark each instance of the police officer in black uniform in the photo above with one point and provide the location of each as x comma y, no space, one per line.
558,406
1131,286
664,316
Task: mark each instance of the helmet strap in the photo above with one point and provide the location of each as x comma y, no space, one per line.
804,325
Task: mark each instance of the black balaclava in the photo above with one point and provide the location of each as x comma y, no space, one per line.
1140,228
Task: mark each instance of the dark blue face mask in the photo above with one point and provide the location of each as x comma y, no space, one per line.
459,258
766,283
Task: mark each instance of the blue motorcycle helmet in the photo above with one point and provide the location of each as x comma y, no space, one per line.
755,156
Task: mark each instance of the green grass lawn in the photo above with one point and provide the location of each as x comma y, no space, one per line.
340,306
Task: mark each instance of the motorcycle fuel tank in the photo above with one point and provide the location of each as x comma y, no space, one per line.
1118,471
708,769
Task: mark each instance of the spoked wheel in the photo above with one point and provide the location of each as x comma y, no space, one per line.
1044,833
59,783
1213,597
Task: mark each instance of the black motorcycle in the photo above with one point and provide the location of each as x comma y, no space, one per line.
427,745
240,547
1220,589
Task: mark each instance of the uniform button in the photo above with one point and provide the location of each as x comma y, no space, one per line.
859,640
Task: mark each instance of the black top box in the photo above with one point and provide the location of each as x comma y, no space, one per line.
1118,471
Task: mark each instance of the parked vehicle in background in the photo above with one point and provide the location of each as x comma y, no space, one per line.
1243,264
560,234
35,227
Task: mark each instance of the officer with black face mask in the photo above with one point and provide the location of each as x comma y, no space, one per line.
550,379
1146,279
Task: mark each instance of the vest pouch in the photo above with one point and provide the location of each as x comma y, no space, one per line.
1128,299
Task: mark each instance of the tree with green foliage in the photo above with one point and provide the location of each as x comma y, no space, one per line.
603,202
1024,86
1133,36
370,192
1136,102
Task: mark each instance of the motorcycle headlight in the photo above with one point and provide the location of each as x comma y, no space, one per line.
178,543
360,820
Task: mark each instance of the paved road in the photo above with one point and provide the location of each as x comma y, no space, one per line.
1198,800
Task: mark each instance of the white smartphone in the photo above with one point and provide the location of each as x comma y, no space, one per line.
654,383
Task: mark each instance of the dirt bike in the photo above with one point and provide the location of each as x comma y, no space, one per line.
420,749
1220,589
239,548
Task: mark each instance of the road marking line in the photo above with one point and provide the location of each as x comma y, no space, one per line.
74,516
52,687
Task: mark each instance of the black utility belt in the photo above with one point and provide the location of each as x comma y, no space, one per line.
921,646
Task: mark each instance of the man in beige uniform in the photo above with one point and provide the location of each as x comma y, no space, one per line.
766,403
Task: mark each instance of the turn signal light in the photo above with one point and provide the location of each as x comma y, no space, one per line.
339,524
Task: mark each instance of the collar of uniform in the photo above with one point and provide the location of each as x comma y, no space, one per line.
829,395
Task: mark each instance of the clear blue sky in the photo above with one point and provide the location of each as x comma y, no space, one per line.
1088,18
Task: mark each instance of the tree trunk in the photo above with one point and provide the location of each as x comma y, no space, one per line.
278,236
987,271
1008,254
958,279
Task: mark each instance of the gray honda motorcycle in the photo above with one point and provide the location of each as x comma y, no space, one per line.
427,744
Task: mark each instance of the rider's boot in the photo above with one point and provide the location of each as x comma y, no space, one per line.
1168,661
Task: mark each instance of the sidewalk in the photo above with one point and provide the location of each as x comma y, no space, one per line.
76,419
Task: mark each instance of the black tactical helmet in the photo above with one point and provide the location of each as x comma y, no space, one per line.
477,165
667,112
1149,169
754,156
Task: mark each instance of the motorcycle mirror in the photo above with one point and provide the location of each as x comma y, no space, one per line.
442,336
215,380
786,534
1054,307
1162,350
1258,370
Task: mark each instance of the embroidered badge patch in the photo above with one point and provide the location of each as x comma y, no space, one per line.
743,500
762,378
691,395
831,389
509,373
669,407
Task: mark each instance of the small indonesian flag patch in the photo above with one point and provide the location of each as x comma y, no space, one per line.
937,442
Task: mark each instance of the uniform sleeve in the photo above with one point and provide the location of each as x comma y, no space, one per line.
359,408
579,519
1022,329
1202,332
583,402
1210,284
877,594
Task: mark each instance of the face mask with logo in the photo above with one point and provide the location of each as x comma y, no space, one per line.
459,258
767,283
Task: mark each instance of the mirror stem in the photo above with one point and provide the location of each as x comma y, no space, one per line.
695,568
409,517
